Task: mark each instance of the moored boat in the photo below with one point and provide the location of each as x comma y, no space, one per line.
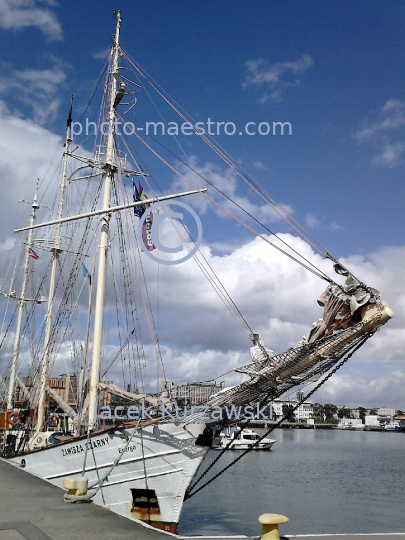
244,439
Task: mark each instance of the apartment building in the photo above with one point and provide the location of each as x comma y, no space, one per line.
65,385
304,412
191,393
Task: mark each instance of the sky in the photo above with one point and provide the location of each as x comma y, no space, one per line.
333,71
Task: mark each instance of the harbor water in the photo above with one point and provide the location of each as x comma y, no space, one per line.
325,481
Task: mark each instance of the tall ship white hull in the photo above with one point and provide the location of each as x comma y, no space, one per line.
165,455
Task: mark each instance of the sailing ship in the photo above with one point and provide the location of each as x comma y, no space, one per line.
140,467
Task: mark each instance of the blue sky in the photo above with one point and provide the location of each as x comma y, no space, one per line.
333,70
333,174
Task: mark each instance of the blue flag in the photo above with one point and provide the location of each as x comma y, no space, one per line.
138,210
86,273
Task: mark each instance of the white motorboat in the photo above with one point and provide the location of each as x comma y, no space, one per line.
351,424
243,440
393,425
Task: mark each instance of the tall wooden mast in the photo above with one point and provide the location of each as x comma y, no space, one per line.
51,297
109,168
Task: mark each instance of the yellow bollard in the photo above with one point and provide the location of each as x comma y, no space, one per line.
270,523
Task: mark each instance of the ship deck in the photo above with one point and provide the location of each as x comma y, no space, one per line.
33,509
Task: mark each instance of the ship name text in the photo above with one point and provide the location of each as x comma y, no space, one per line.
79,448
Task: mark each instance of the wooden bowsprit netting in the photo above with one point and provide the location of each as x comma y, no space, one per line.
344,353
275,375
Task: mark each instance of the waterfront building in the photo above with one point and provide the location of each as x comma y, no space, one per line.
304,412
65,385
386,412
191,393
372,420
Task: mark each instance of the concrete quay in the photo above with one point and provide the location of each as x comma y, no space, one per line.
33,509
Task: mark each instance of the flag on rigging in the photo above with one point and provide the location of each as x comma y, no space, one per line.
86,273
140,195
32,254
147,232
138,210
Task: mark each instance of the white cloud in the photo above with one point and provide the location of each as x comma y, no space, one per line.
276,77
226,181
386,132
18,14
21,138
260,166
199,338
278,299
391,117
312,222
356,388
35,88
102,55
390,155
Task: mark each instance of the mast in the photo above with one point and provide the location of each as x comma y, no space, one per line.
20,314
51,299
105,223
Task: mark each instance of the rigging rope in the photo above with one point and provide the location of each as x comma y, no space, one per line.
282,212
222,294
190,493
279,209
241,208
230,213
95,88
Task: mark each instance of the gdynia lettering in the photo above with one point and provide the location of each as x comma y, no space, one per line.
175,129
202,413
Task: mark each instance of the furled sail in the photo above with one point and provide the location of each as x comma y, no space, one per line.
151,400
341,307
63,405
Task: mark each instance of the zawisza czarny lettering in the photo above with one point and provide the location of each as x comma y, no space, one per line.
78,448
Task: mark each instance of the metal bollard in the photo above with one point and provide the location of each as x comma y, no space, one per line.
270,523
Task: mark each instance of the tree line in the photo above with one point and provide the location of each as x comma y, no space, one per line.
327,413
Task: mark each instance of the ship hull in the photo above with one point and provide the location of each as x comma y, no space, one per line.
147,484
